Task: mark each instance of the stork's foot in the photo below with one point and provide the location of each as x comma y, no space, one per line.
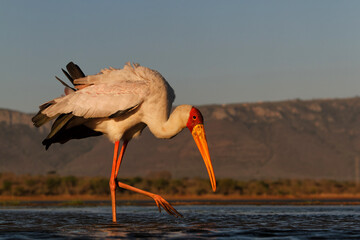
161,202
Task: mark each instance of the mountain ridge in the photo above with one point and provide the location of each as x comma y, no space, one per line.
315,139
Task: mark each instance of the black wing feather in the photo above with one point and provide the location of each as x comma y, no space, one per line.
74,71
62,129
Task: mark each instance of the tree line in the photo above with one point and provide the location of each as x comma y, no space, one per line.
52,185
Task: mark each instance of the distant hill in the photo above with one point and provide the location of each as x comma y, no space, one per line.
289,139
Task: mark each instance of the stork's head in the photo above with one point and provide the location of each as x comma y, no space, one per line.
195,124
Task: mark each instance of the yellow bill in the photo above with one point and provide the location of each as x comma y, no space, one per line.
198,134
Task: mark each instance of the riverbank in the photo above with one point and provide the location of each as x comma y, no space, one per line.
90,200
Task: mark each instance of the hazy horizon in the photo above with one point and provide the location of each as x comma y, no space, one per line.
210,52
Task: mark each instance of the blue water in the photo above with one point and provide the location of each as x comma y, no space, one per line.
199,222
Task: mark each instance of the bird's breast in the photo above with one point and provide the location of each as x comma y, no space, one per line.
116,130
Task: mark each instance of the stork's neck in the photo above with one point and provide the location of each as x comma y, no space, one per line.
164,127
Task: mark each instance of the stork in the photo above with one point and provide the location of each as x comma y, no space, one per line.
120,103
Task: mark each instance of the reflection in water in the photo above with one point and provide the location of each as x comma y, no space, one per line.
199,222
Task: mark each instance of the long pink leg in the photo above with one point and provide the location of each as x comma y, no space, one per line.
115,170
112,183
114,173
118,163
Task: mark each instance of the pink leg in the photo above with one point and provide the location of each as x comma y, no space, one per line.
120,158
114,173
160,202
112,181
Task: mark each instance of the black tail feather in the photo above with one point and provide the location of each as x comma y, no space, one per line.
65,84
68,76
59,124
61,130
46,105
74,71
77,132
40,119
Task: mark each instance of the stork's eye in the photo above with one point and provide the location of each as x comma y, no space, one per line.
194,117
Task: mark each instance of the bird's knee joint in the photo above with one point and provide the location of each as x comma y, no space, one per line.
112,184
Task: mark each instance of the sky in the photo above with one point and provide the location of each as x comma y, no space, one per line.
211,52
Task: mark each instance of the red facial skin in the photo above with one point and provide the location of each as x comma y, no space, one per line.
195,118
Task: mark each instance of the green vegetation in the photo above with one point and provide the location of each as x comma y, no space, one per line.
54,185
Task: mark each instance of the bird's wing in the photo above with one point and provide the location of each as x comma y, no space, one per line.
128,73
101,100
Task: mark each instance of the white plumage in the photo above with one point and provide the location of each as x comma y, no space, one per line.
120,103
110,91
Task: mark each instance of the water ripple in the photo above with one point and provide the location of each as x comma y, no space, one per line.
199,222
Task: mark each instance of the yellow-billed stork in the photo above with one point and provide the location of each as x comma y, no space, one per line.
120,103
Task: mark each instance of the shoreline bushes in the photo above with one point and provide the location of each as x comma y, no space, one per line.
52,185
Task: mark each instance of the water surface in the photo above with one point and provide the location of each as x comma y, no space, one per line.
199,222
